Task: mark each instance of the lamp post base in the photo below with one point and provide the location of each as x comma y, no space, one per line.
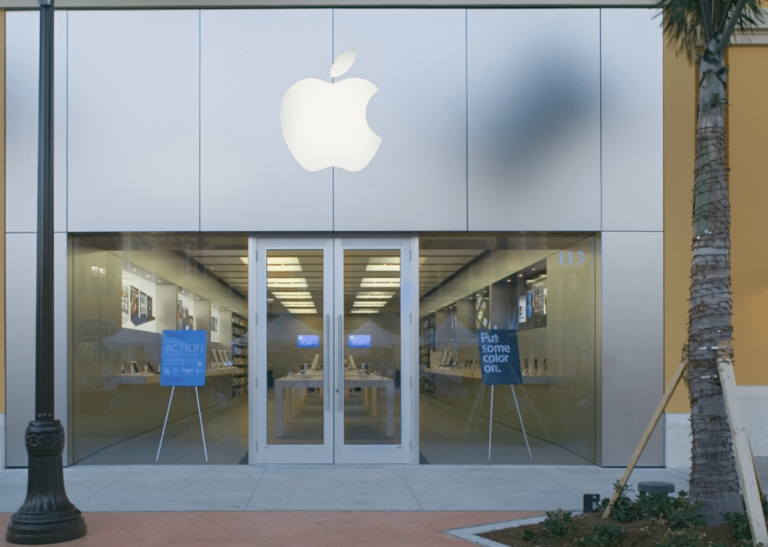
47,515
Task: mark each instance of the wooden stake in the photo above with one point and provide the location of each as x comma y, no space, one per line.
741,449
647,435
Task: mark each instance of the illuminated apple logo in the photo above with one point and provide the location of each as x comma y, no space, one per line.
324,123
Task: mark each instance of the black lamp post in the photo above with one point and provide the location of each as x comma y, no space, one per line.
47,515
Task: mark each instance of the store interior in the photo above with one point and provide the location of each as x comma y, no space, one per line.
128,289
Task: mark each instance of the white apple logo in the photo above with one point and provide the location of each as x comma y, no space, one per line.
324,124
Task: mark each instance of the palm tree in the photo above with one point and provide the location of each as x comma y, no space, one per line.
703,29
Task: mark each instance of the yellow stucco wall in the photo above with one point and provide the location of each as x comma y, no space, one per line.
747,121
747,125
679,148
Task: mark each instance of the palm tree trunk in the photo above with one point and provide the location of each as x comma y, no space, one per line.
713,479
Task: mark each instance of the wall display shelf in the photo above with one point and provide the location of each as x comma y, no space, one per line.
239,354
427,339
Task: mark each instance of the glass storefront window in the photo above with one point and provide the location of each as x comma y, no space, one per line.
541,287
127,290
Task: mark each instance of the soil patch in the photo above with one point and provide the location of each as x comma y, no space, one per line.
639,533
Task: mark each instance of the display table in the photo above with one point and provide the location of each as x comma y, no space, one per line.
296,381
144,378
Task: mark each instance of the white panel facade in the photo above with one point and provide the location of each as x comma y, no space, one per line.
22,76
417,179
20,297
134,121
632,344
249,179
534,119
632,69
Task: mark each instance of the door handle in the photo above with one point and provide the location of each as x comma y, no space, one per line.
341,364
326,363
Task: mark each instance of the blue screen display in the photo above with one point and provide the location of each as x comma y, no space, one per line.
308,341
359,340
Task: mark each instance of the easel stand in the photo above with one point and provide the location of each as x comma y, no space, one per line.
490,423
749,479
165,423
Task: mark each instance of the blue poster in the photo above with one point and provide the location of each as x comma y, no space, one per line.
499,357
183,358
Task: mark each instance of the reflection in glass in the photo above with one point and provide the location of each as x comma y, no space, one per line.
371,347
295,346
126,290
542,287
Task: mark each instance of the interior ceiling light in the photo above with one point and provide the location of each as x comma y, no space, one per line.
307,304
379,282
298,295
283,264
286,283
364,311
375,295
383,264
369,304
302,310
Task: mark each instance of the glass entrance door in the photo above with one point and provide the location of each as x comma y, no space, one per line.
334,350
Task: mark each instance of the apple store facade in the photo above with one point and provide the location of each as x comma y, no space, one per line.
368,212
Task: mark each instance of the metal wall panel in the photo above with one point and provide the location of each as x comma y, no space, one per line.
61,339
417,179
632,107
21,301
134,120
22,75
534,119
249,180
632,344
20,298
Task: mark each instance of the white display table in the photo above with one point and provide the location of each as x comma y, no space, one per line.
312,379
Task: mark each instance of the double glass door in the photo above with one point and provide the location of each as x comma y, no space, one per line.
333,350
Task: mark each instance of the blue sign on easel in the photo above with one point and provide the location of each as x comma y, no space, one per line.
499,357
183,358
500,365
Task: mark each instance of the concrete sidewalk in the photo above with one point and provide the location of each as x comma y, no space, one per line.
332,487
313,506
316,506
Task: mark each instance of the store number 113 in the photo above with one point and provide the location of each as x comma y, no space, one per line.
570,258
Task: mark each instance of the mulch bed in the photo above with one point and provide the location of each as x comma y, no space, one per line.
640,533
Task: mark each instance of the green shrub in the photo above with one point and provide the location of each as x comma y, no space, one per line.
623,510
679,511
530,535
738,526
690,537
556,523
603,535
